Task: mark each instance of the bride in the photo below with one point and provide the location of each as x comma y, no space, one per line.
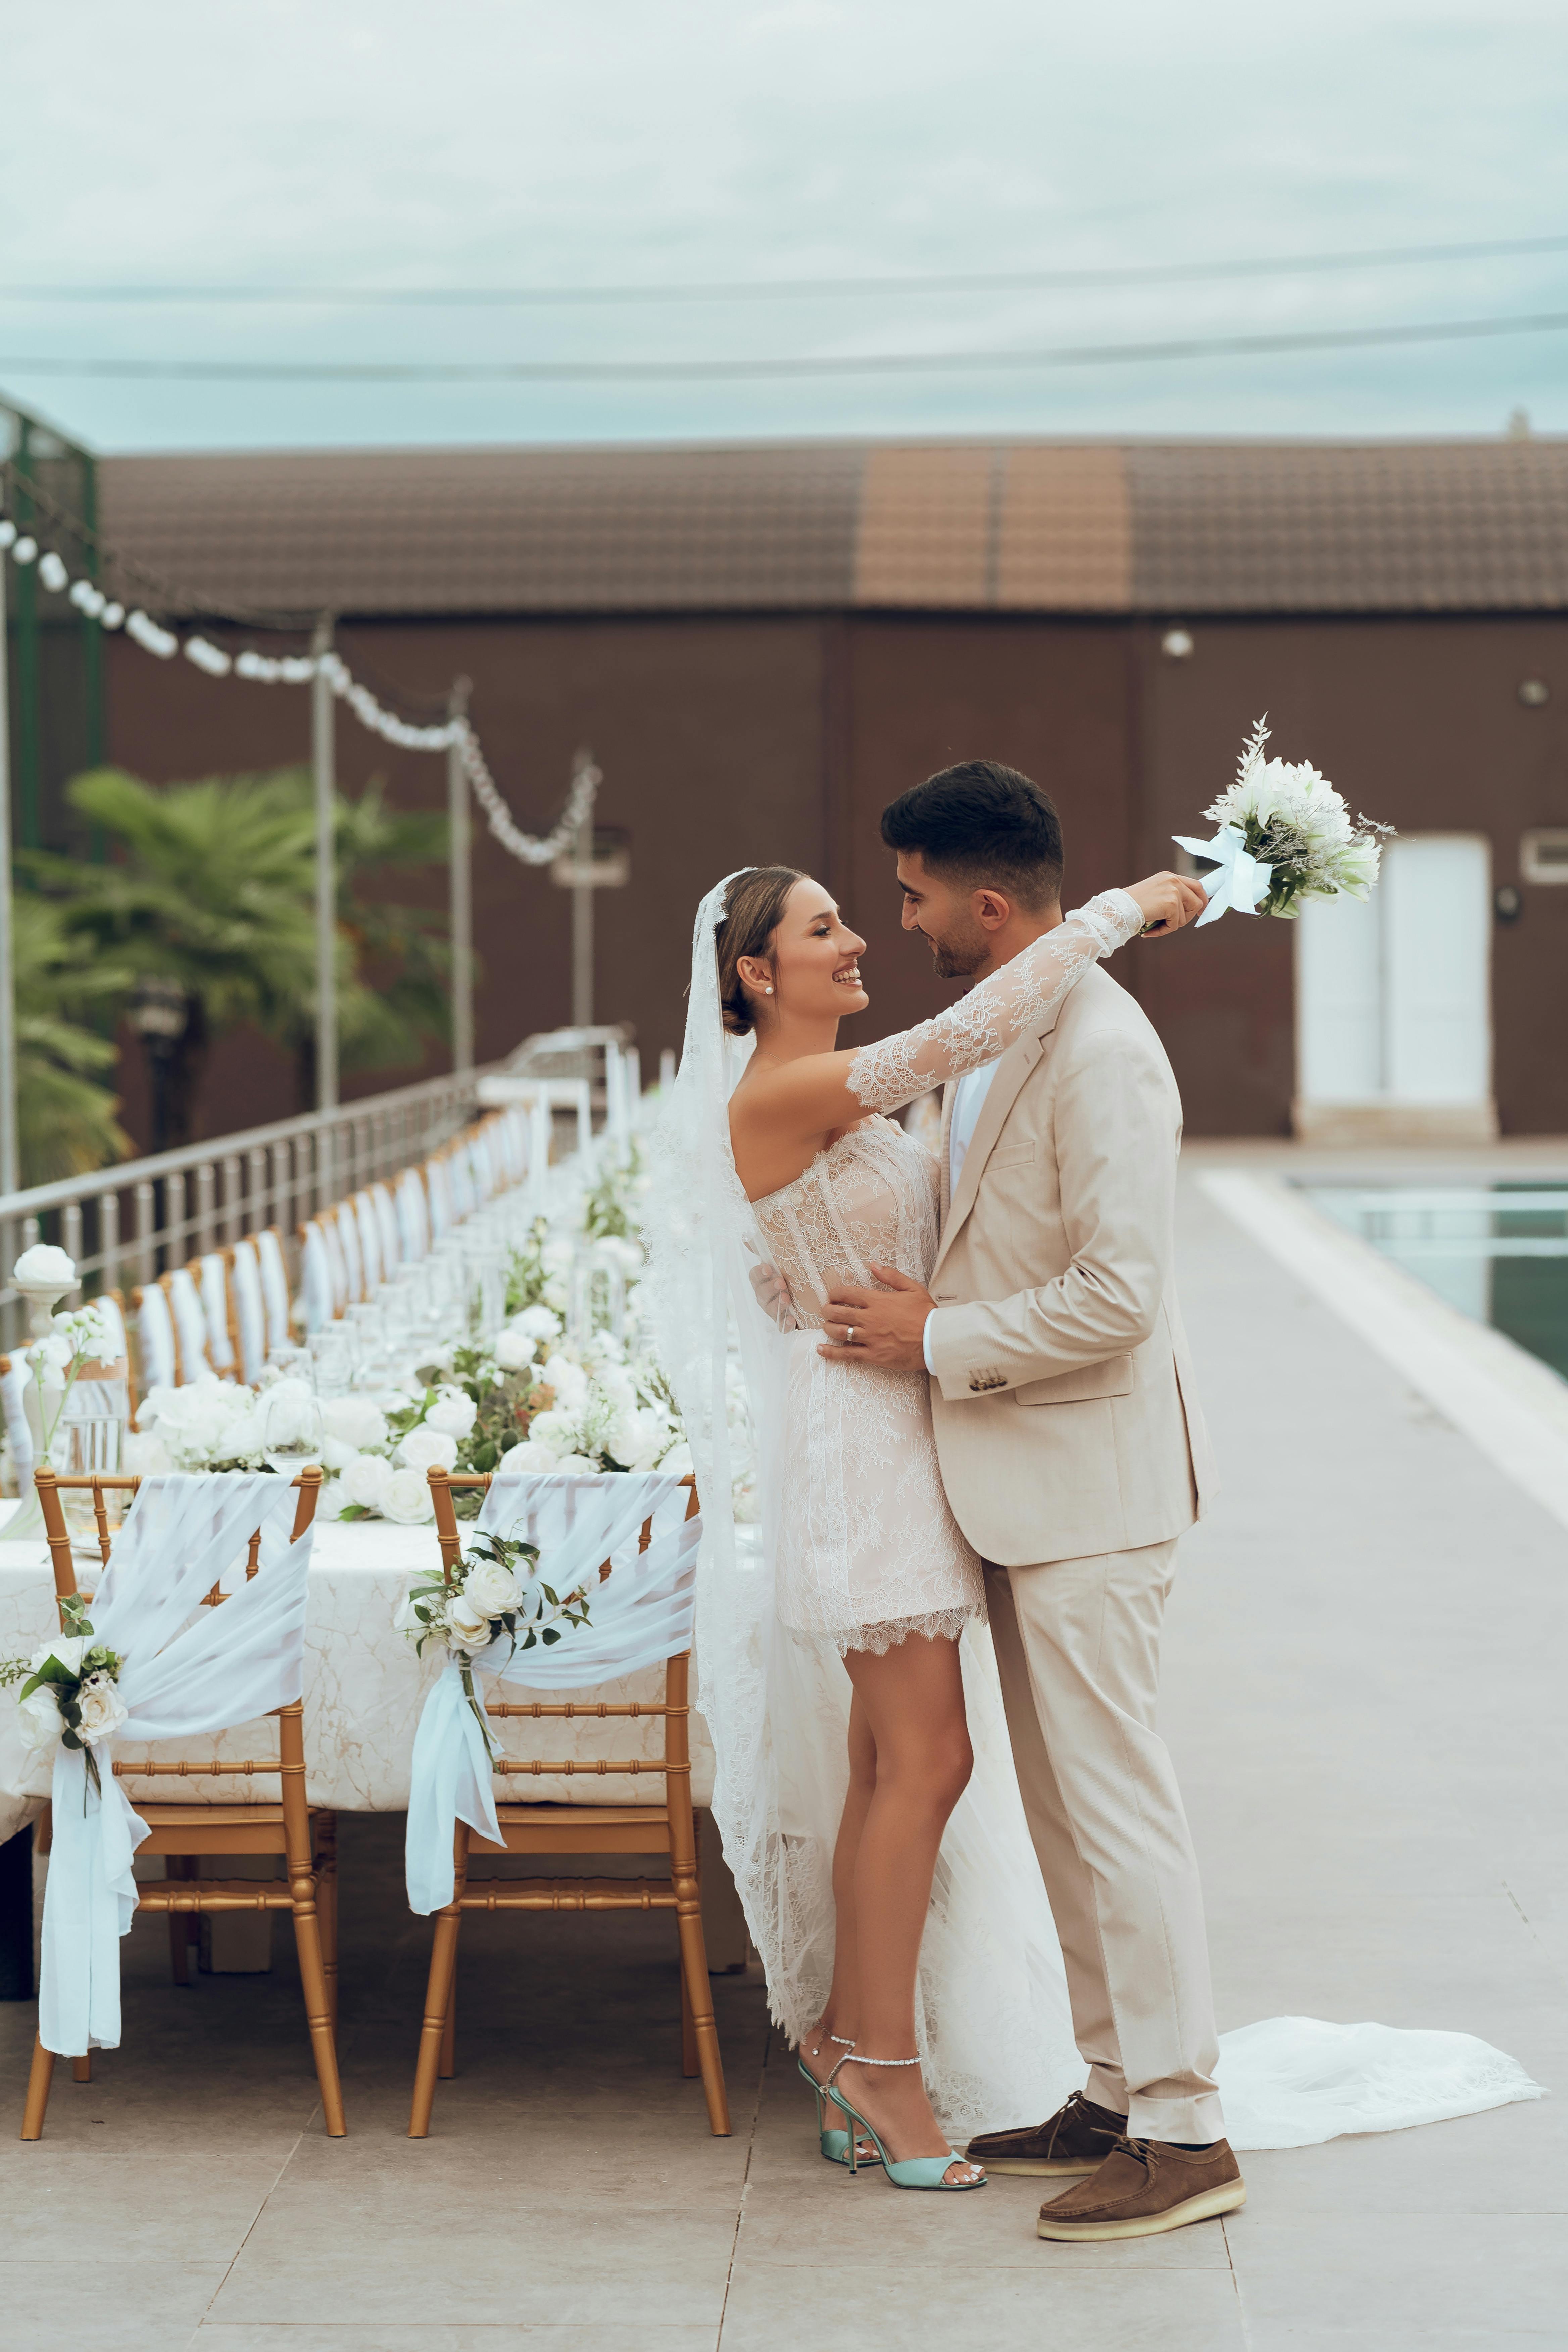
863,1788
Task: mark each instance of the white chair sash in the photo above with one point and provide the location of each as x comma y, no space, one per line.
386,1226
214,1309
412,1215
438,1186
346,1226
155,1331
274,1287
327,1227
17,1427
317,1285
190,1324
188,1671
640,1615
368,1233
249,1311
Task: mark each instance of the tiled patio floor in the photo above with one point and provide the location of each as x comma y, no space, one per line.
1365,1681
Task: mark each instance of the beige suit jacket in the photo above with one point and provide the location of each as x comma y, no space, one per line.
1065,1418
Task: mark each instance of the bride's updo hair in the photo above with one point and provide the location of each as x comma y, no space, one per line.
751,913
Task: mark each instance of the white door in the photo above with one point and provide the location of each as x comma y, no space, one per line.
1394,993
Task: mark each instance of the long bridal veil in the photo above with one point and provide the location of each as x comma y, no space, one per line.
993,2021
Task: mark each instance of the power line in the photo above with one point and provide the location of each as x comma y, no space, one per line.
743,371
796,288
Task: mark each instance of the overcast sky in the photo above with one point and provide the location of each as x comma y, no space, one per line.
584,143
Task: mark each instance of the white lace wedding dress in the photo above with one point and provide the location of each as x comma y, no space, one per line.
855,1548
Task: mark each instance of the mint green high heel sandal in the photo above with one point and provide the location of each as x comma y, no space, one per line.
834,2145
915,2171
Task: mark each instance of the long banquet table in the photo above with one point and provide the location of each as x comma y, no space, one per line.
364,1688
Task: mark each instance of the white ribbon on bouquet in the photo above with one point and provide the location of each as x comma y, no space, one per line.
187,1671
1238,879
639,1616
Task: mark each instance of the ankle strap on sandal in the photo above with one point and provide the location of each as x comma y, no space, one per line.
843,2042
848,2059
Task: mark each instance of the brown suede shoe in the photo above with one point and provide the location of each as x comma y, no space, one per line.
1076,2141
1146,2185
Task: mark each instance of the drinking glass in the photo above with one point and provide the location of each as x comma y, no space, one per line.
333,1355
291,1433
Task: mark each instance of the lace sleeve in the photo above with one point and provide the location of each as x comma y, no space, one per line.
996,1012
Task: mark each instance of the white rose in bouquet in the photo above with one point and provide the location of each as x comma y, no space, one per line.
678,1461
577,1465
407,1498
536,1323
553,1433
336,1458
102,1709
354,1422
66,1649
528,1456
492,1588
38,1720
453,1412
568,1381
366,1479
145,1455
240,1437
636,1438
514,1350
618,1388
42,1266
428,1449
467,1624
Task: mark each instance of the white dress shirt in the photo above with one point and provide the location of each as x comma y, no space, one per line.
969,1100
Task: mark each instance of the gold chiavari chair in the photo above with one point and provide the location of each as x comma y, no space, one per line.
668,1829
182,1833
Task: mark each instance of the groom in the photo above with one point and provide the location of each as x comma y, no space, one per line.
1074,1456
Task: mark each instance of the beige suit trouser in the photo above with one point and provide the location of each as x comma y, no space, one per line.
1078,1645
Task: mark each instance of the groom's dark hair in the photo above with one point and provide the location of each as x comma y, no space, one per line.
985,824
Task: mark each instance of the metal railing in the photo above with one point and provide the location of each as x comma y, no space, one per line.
126,1225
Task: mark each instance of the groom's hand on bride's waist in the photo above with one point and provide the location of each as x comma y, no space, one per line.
879,1327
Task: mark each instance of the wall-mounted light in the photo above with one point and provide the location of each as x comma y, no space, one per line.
1176,645
1543,855
1533,692
1507,903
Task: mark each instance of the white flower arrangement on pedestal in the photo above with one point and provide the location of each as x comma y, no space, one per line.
1285,835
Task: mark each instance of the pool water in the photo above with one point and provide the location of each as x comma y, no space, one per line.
1497,1252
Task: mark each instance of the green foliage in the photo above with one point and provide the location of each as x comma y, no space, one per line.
65,1116
213,885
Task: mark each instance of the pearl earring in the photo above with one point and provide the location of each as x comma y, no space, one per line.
768,989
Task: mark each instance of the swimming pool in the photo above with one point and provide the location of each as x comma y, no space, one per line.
1497,1252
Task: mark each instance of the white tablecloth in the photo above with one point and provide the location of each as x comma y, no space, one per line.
364,1688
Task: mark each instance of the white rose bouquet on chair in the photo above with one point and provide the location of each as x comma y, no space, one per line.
68,1691
494,1591
1285,835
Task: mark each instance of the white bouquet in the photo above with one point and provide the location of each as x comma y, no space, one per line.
494,1591
1285,835
207,1424
68,1691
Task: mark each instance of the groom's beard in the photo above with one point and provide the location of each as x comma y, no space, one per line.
960,953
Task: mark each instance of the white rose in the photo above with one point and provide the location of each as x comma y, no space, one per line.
553,1433
633,1439
577,1465
366,1479
354,1422
452,1412
514,1350
101,1708
43,1267
537,1323
678,1461
619,1389
568,1380
336,1457
466,1623
492,1588
66,1649
528,1456
145,1455
407,1498
38,1719
428,1449
239,1437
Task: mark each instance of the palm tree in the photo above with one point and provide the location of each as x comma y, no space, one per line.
64,1119
210,907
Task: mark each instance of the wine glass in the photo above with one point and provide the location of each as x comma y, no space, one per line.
291,1431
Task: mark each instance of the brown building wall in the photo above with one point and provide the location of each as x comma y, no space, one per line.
734,738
